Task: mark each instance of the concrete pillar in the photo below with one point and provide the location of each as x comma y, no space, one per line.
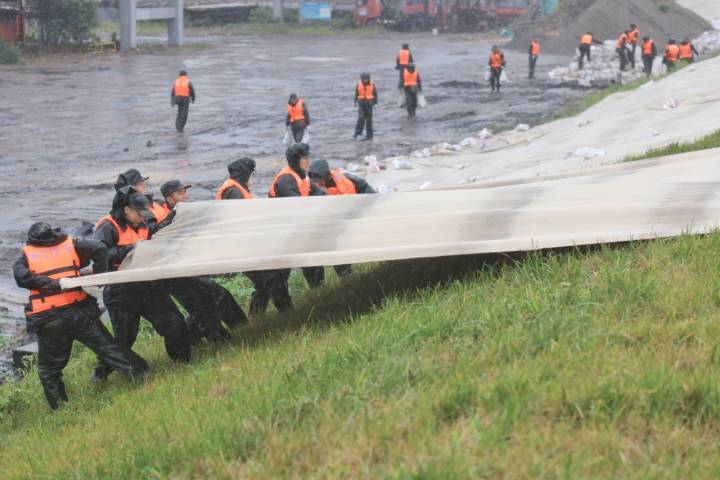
176,25
128,25
278,11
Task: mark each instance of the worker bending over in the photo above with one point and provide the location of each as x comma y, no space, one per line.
586,41
335,182
120,231
216,305
366,97
59,317
496,63
533,54
292,181
649,52
182,94
412,86
298,118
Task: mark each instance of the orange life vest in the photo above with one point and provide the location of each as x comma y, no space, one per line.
403,57
159,211
497,59
634,36
672,53
303,184
685,52
366,92
296,111
230,183
586,39
343,185
58,261
535,48
182,87
410,79
621,41
648,47
129,236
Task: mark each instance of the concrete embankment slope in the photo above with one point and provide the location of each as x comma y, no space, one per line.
639,200
679,108
708,9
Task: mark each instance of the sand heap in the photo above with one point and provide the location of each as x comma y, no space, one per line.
561,31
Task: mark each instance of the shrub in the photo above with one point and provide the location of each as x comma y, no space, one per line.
261,15
66,21
9,54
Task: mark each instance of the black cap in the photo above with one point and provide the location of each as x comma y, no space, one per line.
405,45
138,202
293,98
365,76
130,177
319,169
183,73
241,169
295,152
173,186
40,230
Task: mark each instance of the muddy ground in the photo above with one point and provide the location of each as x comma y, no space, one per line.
69,127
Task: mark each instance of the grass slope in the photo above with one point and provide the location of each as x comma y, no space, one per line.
580,364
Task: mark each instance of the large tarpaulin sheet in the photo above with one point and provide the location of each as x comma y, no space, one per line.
639,200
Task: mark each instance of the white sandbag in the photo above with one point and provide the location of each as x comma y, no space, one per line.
422,103
288,138
487,74
504,77
306,136
401,98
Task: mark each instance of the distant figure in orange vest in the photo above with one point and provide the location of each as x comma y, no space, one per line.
182,94
298,117
533,54
687,51
649,52
633,41
58,316
621,50
366,97
404,58
672,55
496,63
586,41
412,85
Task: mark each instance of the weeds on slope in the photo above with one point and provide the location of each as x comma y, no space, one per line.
589,363
707,142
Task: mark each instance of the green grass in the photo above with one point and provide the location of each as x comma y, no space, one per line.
583,364
676,148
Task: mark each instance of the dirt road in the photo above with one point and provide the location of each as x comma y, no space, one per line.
68,129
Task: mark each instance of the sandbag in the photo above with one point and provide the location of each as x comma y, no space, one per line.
401,98
487,74
504,77
306,136
288,138
422,103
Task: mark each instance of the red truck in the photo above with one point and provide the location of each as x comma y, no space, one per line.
457,15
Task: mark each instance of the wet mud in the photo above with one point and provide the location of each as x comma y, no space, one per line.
68,128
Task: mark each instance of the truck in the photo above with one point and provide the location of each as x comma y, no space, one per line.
457,15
